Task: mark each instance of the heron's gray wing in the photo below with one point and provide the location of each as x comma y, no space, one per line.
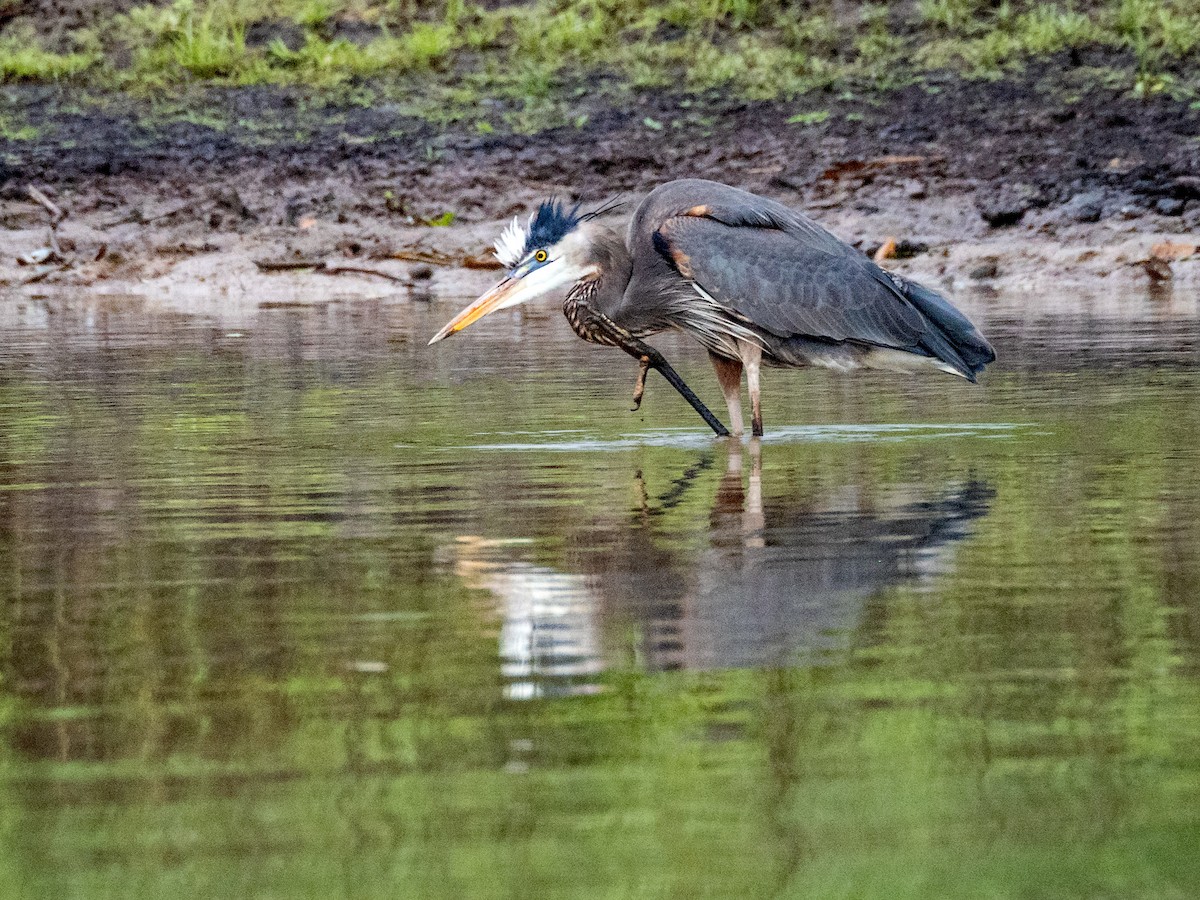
737,208
788,280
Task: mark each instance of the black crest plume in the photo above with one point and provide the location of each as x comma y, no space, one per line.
554,220
550,223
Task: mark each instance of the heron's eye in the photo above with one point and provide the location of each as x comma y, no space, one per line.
540,256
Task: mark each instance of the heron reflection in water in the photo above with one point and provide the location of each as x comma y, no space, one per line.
752,280
780,581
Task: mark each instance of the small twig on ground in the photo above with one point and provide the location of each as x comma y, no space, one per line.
138,218
358,270
44,273
57,213
322,266
433,257
288,265
1157,269
437,258
481,261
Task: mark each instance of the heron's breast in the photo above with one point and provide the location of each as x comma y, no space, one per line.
583,321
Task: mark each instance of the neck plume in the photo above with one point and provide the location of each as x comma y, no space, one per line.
601,291
609,257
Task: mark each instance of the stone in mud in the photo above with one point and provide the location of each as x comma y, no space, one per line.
1007,205
1169,206
229,200
1116,204
1187,187
1084,207
296,207
984,271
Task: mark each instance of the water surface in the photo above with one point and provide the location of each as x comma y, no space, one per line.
302,608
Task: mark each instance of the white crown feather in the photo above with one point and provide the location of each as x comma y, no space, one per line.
510,246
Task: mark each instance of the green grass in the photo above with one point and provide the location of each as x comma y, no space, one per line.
23,58
982,38
532,53
207,42
1042,30
1158,33
15,129
814,117
326,62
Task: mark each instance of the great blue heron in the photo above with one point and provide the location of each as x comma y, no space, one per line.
750,279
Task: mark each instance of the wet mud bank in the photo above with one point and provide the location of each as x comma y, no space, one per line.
1014,186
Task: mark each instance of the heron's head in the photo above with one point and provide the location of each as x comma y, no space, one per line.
556,247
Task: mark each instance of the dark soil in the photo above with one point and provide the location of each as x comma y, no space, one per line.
1018,145
50,16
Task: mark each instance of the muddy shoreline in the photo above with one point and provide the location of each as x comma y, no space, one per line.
1016,186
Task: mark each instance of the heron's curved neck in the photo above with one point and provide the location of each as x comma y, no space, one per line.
613,265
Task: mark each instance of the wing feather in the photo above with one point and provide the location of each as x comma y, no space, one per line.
787,279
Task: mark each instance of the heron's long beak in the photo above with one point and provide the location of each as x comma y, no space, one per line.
506,293
525,284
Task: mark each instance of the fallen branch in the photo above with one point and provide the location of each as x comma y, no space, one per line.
137,218
57,213
482,261
433,257
1169,251
359,270
288,265
323,267
437,258
44,273
859,167
52,252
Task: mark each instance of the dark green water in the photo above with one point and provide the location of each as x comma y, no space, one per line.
308,610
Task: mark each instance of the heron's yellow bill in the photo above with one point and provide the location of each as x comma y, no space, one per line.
499,297
524,283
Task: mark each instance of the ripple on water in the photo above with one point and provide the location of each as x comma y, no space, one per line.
687,439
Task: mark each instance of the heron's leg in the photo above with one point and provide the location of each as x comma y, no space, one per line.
639,386
729,376
606,331
752,360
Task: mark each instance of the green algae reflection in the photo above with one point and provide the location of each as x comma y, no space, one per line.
292,618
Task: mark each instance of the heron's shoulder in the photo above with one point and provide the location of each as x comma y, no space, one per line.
675,197
732,207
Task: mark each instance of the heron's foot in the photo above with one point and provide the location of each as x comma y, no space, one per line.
639,387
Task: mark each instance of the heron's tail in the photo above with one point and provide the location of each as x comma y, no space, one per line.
953,339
